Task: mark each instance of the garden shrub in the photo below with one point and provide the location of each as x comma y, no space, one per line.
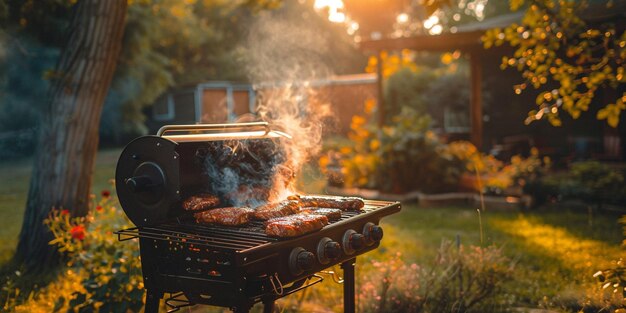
403,156
598,183
613,286
113,281
459,280
407,88
411,157
591,181
407,155
103,275
497,176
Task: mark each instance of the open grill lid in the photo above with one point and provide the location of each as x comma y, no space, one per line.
148,177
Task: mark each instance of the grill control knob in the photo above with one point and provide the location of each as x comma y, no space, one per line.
352,241
327,250
332,249
300,260
305,260
372,233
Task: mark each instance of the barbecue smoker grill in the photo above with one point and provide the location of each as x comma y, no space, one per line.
234,267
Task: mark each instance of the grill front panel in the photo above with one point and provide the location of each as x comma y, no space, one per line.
223,266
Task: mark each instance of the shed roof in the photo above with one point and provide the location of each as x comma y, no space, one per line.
467,36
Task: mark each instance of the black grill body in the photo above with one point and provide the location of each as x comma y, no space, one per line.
232,267
237,267
154,173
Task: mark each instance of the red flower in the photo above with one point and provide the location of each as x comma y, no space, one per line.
78,232
65,212
105,193
99,208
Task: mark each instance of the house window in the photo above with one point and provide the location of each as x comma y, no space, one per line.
163,108
456,121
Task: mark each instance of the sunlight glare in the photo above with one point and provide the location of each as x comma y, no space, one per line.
402,18
436,30
337,17
334,9
331,4
556,242
431,21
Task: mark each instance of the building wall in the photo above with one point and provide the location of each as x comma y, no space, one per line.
345,95
346,101
214,106
222,102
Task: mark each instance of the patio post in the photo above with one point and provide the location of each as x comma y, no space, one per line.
379,84
476,105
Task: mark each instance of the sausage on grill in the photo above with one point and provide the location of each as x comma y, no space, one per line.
225,216
343,203
295,225
331,214
201,202
273,210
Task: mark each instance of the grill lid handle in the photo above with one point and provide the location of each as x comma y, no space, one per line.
217,128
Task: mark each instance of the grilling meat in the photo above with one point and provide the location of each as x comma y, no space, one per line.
273,210
295,225
331,214
342,203
225,216
201,202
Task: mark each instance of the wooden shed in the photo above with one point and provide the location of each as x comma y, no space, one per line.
219,102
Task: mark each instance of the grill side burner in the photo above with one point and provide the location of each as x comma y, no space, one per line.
233,267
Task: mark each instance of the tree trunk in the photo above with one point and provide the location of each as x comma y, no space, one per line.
68,139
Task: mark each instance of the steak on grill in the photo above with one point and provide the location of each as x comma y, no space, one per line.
231,216
331,214
276,209
201,202
295,225
343,203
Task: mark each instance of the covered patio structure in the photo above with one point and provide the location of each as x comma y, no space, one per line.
467,40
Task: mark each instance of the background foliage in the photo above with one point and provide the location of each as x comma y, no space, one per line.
102,274
167,44
573,59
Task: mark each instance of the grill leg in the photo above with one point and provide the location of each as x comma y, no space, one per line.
240,309
348,286
268,306
152,301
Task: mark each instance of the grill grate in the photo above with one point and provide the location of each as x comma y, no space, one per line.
217,237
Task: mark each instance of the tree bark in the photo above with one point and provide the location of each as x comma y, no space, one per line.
68,139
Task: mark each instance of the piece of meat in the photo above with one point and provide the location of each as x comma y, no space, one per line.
273,210
295,225
201,202
343,203
225,216
331,214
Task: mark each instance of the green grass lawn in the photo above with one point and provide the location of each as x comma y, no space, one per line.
14,189
555,250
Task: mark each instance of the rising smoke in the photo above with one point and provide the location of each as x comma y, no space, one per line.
283,59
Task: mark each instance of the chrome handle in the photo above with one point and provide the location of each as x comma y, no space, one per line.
217,128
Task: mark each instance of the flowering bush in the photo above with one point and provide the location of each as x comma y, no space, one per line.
110,272
496,175
407,156
399,158
459,280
